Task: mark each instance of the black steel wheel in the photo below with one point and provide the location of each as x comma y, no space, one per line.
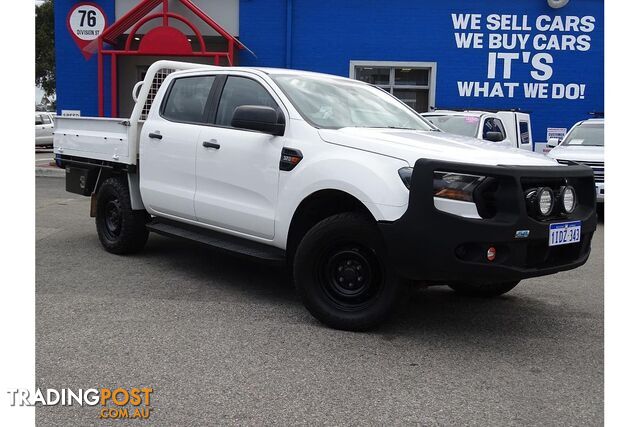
121,230
112,219
350,275
341,274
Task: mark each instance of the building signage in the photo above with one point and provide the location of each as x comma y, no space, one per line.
86,21
557,133
522,53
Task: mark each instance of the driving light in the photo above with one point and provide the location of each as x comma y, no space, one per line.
569,199
544,197
456,186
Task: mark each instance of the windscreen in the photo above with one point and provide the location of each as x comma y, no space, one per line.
458,125
332,103
586,135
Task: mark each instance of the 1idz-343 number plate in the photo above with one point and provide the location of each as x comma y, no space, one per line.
564,233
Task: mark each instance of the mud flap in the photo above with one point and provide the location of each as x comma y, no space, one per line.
94,205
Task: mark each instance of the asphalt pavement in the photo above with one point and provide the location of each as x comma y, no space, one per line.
225,341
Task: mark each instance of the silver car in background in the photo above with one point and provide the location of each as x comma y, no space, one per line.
584,144
44,129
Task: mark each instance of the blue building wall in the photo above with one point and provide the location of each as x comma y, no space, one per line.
77,77
325,36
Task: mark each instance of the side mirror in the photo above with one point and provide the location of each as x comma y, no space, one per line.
553,142
258,118
494,136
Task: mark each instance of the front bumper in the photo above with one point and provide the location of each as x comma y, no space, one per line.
435,246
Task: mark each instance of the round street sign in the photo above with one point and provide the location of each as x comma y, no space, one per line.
85,22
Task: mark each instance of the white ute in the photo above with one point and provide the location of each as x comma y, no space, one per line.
509,127
334,178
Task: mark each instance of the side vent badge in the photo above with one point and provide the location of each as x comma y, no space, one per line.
290,158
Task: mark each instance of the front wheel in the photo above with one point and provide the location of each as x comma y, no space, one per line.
121,230
340,272
484,290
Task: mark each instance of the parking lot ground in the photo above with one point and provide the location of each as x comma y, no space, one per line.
224,341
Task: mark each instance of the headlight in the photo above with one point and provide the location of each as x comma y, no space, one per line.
569,199
456,186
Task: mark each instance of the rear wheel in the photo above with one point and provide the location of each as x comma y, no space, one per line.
485,290
339,270
121,230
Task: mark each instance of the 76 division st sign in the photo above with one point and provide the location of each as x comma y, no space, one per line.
85,22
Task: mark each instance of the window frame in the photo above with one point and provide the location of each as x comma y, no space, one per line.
207,106
430,87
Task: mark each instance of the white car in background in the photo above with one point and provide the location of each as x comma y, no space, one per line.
584,144
44,129
510,127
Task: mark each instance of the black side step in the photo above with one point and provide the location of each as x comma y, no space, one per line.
218,240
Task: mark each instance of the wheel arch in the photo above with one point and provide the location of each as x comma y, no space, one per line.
317,206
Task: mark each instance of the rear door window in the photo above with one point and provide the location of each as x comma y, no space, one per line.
187,99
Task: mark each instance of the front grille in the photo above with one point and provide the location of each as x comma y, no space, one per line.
598,168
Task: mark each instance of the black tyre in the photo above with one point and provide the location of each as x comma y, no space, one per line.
121,229
340,273
483,290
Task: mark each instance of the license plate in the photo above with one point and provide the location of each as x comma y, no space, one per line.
564,233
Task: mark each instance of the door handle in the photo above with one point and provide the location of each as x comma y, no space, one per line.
211,144
154,135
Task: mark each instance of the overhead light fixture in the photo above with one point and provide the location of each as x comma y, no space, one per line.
189,40
137,38
557,4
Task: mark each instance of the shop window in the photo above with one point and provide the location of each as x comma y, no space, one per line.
411,82
375,76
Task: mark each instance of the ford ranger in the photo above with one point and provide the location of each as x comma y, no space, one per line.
335,178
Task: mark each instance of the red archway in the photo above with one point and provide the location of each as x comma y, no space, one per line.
161,40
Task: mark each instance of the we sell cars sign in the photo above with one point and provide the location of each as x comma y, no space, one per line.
548,62
523,42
